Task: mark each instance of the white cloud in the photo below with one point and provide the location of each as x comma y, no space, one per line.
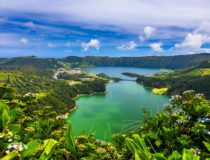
157,47
30,25
117,12
24,41
148,31
51,45
93,43
193,41
203,28
128,46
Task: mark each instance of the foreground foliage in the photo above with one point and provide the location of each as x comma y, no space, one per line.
181,131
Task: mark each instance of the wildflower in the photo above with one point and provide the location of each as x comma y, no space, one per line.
180,121
188,117
13,146
204,120
98,141
82,147
176,98
206,132
100,150
195,151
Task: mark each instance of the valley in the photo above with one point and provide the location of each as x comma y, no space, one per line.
100,110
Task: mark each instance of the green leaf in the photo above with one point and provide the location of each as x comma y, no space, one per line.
137,157
49,147
158,142
31,148
14,128
5,118
188,155
160,156
207,145
137,146
175,156
10,156
69,138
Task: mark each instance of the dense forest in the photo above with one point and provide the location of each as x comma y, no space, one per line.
168,62
55,94
194,78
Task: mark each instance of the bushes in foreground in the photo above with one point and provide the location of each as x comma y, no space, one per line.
181,131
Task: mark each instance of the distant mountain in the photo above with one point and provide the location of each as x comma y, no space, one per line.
169,62
42,63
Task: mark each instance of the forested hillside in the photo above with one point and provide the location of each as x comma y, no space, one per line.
18,62
55,94
194,78
169,62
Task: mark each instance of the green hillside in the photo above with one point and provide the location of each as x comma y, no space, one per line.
194,78
18,62
168,62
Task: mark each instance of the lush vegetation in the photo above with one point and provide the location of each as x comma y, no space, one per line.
182,131
21,62
168,62
53,95
34,107
194,78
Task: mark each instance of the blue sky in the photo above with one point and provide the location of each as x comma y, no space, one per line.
52,28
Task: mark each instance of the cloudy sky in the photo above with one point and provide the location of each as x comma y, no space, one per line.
59,28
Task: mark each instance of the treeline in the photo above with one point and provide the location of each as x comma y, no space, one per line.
194,78
57,94
18,62
170,62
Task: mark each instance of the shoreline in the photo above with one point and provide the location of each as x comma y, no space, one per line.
65,116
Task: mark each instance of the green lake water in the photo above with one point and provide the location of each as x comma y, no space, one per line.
117,111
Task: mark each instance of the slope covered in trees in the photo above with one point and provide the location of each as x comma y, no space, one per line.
195,78
55,94
169,62
19,62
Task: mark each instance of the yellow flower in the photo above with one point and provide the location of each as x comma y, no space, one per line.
100,150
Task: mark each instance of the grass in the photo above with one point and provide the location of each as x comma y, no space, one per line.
74,82
205,71
42,95
159,90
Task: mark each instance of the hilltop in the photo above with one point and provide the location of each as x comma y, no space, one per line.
167,62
